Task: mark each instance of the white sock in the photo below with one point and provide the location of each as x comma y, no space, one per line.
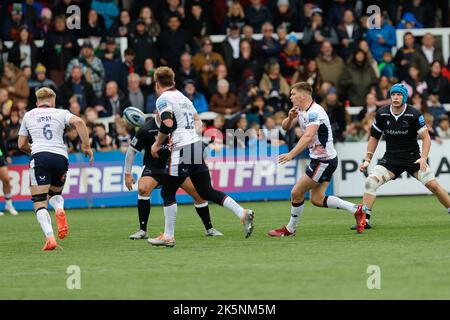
170,214
338,203
232,205
368,212
296,212
448,209
57,202
8,200
45,221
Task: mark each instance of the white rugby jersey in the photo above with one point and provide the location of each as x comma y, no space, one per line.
322,145
45,126
183,113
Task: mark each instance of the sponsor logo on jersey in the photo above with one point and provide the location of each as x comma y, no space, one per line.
421,120
313,116
397,132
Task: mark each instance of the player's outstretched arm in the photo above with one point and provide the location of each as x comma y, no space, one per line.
426,146
129,160
371,147
24,145
82,130
301,145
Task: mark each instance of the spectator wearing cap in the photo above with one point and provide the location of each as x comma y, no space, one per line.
186,71
107,9
443,128
257,14
114,101
76,86
112,63
60,47
122,26
330,65
207,60
143,44
24,52
223,101
15,82
427,53
424,12
349,34
197,98
409,21
437,83
290,58
284,15
316,33
92,68
172,42
230,45
93,27
198,22
381,39
268,46
40,80
11,25
235,17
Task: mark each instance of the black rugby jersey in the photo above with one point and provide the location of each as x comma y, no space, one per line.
400,132
144,139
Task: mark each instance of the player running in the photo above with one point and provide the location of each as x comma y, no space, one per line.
45,126
317,135
400,124
4,176
180,119
155,169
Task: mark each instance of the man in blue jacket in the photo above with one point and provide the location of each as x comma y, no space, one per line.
381,37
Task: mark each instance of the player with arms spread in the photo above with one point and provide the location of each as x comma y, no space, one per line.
155,169
317,135
45,126
180,119
400,124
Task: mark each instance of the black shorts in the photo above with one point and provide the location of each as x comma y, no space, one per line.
48,168
157,174
398,168
321,170
187,160
3,162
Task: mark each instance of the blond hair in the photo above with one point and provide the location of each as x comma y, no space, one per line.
165,76
44,94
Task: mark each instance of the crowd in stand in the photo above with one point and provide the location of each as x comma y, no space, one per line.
243,80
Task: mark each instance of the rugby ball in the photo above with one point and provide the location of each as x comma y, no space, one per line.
134,116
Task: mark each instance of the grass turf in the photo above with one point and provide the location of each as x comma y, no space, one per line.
326,260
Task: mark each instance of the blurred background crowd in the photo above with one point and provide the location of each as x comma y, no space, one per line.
240,81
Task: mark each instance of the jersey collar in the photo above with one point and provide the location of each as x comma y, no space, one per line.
312,102
44,106
396,116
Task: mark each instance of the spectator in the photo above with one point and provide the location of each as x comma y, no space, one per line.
364,46
107,9
91,117
173,8
443,129
271,134
370,108
150,105
173,42
354,132
15,82
405,56
435,108
349,34
437,83
114,101
316,33
427,53
284,15
221,72
429,122
151,25
72,140
414,82
257,14
187,72
91,66
337,10
446,70
268,46
112,63
143,45
12,133
94,28
337,115
246,66
381,39
40,81
215,134
247,34
409,21
282,36
101,141
198,23
75,108
274,86
122,27
248,93
5,104
206,61
31,10
419,103
59,49
329,64
197,98
357,79
45,24
123,137
24,52
128,63
258,111
135,94
230,46
383,97
387,67
76,86
421,10
146,77
234,17
290,59
11,25
219,12
311,74
224,102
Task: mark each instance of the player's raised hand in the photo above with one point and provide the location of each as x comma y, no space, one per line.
155,149
293,113
129,181
284,158
88,153
423,164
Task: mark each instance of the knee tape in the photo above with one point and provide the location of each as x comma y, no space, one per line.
378,177
39,197
52,193
425,176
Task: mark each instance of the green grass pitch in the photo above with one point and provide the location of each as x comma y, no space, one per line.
410,243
